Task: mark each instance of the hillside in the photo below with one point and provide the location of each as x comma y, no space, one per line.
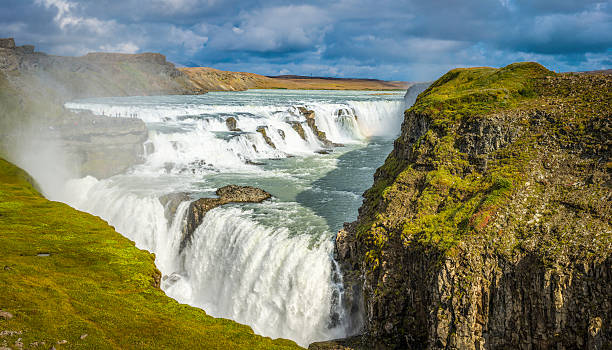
489,224
71,281
210,79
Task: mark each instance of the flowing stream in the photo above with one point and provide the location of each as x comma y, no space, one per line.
268,265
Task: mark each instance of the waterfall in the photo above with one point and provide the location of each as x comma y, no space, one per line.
267,265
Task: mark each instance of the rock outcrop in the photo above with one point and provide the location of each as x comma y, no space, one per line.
263,132
231,124
227,194
312,124
489,226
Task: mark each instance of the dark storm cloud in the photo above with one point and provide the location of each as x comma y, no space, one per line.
407,39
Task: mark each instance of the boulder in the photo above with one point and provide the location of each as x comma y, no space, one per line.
227,194
231,124
25,49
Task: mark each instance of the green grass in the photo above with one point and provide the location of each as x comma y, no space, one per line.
94,282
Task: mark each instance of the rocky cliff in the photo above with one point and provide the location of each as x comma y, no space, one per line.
34,86
488,226
92,75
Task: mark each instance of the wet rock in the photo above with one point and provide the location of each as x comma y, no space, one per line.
297,126
262,131
227,194
231,124
281,133
311,121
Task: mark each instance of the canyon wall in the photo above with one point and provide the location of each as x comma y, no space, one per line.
488,226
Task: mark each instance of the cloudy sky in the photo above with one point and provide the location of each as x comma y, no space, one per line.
386,39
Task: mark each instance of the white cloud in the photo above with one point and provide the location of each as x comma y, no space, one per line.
65,18
274,29
127,47
191,41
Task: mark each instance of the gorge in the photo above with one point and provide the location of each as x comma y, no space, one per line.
487,226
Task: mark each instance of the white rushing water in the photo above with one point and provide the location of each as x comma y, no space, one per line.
268,265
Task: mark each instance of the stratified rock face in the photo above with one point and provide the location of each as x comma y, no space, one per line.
489,226
227,194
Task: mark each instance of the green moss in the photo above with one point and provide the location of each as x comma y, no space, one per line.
440,206
475,91
93,282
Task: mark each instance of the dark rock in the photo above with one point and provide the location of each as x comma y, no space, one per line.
324,151
25,49
281,133
227,194
231,124
311,122
262,131
535,272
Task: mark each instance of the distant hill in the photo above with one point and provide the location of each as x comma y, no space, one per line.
210,79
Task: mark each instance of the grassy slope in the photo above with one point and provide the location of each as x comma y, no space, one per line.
211,79
94,282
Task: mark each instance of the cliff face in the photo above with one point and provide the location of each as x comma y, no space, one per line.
489,225
34,86
92,75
